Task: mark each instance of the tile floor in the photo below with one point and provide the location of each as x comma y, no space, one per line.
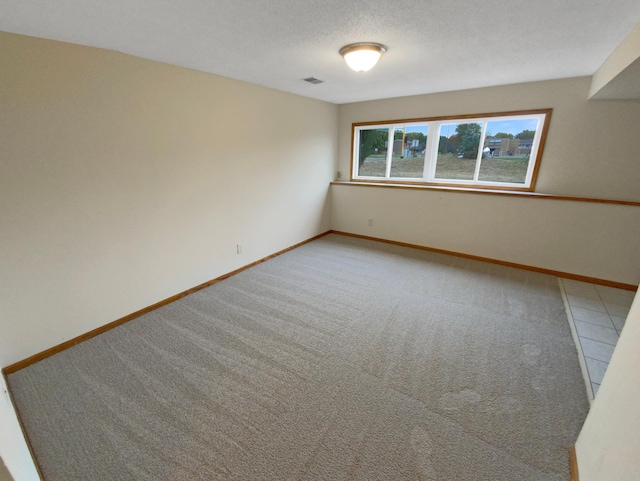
598,314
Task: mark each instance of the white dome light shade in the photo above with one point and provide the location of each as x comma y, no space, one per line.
361,57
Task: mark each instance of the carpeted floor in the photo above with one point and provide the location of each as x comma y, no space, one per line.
343,359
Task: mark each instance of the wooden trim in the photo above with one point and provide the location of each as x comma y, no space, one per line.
436,185
541,144
541,270
24,431
573,464
353,141
462,190
99,330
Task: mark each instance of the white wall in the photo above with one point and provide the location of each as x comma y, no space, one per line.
609,443
125,181
592,151
15,452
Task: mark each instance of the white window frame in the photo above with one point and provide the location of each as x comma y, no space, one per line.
431,149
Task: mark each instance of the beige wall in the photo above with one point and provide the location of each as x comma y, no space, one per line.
617,77
609,442
595,240
125,181
581,238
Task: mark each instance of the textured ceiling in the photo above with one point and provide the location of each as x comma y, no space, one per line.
432,46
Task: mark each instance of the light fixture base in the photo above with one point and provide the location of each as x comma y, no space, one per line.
362,56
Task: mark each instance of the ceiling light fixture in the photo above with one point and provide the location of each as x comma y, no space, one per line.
362,56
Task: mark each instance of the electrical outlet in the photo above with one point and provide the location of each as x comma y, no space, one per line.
239,248
370,223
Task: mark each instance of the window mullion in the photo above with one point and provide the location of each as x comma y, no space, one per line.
390,138
480,151
428,148
433,151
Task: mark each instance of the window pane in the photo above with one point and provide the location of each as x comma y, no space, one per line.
458,151
372,152
507,150
408,151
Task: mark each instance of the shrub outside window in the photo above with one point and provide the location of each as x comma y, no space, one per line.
492,151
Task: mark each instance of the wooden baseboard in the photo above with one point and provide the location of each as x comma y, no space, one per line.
541,270
573,464
99,330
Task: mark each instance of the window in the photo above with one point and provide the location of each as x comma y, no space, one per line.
496,151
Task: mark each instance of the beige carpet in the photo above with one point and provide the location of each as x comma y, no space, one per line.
343,359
